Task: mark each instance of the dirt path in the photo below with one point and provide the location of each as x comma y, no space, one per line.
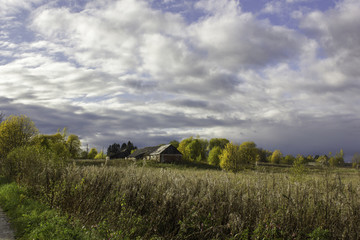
5,231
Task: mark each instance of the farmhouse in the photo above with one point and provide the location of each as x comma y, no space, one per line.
165,154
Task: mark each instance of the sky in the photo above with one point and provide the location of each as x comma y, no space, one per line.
282,73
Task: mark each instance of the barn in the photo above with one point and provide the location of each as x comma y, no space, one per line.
164,154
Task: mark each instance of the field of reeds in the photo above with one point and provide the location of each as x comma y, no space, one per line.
133,201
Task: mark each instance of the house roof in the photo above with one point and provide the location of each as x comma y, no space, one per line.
152,151
160,149
142,152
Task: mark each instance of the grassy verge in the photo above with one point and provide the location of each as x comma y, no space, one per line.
33,220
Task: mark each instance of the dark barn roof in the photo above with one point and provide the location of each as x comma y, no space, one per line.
151,151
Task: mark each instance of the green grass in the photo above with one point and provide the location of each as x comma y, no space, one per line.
34,220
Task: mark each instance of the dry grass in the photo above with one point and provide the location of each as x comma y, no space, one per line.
135,201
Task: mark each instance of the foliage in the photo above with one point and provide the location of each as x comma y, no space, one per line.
263,155
15,131
288,159
214,154
218,142
337,160
323,160
100,155
229,158
93,152
356,160
248,153
55,143
175,143
185,204
235,158
193,149
115,151
276,157
33,220
32,165
298,169
74,145
83,155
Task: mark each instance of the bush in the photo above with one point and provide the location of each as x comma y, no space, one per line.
33,220
34,165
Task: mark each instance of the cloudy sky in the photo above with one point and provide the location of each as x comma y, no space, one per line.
282,73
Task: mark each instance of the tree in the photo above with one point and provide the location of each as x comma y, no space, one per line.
54,143
214,154
15,131
74,145
100,155
93,152
229,158
298,168
276,156
337,160
182,146
115,151
193,149
218,142
288,159
84,154
175,143
263,155
356,160
323,160
248,153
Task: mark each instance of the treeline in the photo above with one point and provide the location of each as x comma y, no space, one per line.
229,156
133,202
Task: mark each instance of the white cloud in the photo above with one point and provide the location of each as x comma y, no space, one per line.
150,72
241,41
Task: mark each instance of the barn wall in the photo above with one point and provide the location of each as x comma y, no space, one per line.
170,158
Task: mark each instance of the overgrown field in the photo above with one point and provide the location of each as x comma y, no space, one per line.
132,201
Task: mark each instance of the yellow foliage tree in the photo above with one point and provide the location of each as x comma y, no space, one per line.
229,158
276,157
15,131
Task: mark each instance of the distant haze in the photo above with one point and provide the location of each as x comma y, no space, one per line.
283,73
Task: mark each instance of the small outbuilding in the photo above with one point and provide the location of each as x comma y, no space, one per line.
164,154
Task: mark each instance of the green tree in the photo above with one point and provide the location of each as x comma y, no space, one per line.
193,149
356,160
182,146
229,158
248,153
298,169
264,155
2,116
276,157
323,160
337,160
84,154
218,142
74,145
214,155
175,143
100,155
288,159
15,131
93,152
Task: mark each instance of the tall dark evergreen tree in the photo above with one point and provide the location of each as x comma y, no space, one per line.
115,151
